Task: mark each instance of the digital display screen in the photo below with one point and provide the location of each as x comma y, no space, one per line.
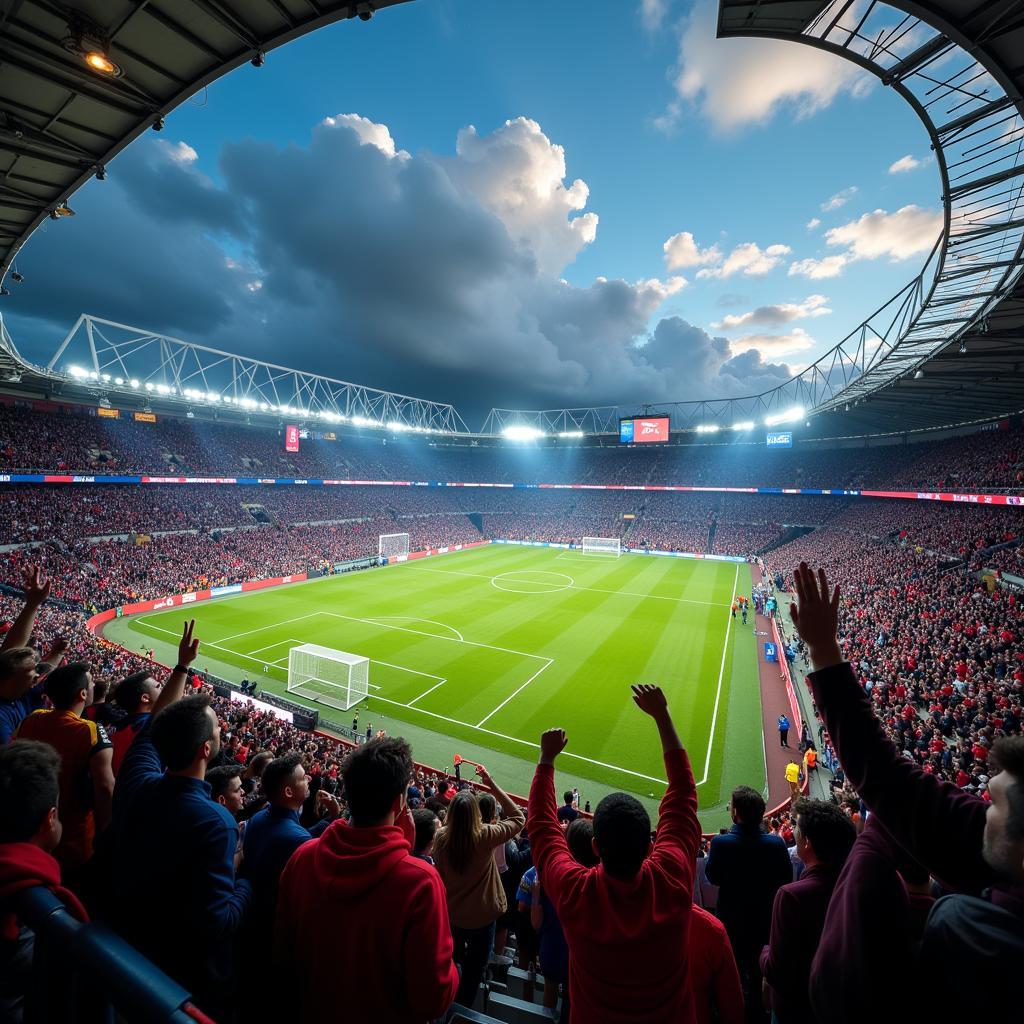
644,430
291,439
783,439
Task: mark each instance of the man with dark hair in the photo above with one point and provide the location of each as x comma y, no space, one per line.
273,834
176,846
567,812
626,920
21,671
425,822
393,962
86,778
226,787
974,939
29,832
824,837
136,695
748,865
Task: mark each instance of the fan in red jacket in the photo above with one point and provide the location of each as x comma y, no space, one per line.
627,920
362,928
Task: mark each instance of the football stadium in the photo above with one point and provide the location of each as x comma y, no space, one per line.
422,604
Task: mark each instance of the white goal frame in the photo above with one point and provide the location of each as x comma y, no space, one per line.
314,671
392,545
609,547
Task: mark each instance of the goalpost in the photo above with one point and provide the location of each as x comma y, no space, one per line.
331,677
392,545
609,546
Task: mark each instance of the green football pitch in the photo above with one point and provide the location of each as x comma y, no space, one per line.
478,652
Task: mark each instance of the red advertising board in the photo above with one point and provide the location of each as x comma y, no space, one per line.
291,439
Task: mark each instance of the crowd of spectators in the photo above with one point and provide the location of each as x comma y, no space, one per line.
272,838
269,840
67,439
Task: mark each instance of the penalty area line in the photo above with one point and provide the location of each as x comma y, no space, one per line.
525,743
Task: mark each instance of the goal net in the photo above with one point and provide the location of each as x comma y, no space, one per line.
393,545
609,546
331,677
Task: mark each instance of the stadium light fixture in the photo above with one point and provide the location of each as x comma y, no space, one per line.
522,433
77,371
744,425
708,428
795,413
149,386
134,382
119,381
570,433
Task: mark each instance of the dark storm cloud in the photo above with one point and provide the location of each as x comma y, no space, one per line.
351,258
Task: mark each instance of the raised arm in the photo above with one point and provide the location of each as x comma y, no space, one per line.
678,828
174,688
502,831
37,590
921,812
555,864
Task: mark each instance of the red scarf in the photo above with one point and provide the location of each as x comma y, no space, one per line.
22,866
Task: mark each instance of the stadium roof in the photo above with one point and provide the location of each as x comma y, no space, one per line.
81,80
958,353
62,119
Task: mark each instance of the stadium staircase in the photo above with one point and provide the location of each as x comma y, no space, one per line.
789,534
511,995
712,530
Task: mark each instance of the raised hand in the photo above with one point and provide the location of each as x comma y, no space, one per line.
188,649
552,743
36,586
816,615
649,699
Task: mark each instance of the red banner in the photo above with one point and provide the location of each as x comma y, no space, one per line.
291,439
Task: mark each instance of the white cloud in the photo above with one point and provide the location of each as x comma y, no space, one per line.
774,316
682,251
518,174
819,270
735,82
839,199
747,259
813,223
774,345
180,153
652,13
907,232
370,133
658,288
904,164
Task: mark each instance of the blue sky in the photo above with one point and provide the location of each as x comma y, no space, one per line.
729,148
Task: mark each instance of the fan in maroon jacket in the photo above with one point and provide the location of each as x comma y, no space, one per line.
973,940
627,920
362,926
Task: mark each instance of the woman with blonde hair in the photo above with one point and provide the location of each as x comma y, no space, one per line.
464,856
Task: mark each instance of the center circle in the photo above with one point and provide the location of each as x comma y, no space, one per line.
526,581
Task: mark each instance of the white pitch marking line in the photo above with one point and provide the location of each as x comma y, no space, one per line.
550,662
434,636
414,618
593,590
525,743
263,629
721,672
426,692
402,668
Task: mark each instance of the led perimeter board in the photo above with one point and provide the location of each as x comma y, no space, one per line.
643,430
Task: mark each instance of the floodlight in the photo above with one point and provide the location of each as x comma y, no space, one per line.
795,413
744,425
707,428
522,433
